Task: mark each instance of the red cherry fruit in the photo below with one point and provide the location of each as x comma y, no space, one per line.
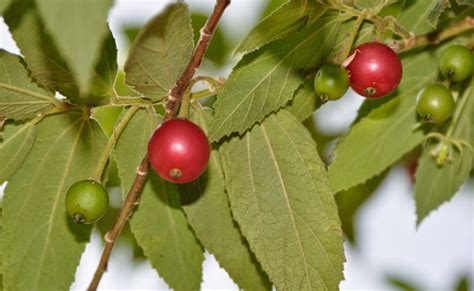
179,151
375,71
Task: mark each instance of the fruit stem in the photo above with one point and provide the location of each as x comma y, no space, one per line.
184,110
435,37
118,129
214,84
173,101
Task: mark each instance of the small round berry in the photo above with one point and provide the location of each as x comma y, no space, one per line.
435,103
456,63
375,70
86,201
331,82
179,151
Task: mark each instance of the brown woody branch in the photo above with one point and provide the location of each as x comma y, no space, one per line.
435,37
176,93
174,99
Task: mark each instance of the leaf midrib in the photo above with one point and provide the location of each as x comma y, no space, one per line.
27,92
28,126
173,229
285,131
56,200
290,212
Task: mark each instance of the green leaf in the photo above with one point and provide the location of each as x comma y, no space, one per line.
379,139
3,5
42,245
45,62
435,13
78,40
159,224
15,144
350,201
161,52
375,5
20,98
375,142
437,185
271,6
287,19
414,17
265,80
401,284
465,2
280,196
462,283
305,101
207,209
1,250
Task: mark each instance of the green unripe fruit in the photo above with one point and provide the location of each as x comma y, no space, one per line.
86,201
456,63
435,103
331,82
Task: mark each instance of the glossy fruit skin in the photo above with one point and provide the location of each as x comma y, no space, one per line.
456,63
87,201
435,103
375,71
331,82
179,151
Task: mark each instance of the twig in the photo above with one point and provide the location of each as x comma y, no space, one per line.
436,37
177,91
124,214
118,129
174,99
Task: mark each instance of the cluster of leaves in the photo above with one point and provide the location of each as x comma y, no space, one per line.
266,205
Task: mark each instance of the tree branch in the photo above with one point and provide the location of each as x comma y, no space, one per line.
174,99
177,91
435,37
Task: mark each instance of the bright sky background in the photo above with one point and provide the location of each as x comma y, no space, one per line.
434,256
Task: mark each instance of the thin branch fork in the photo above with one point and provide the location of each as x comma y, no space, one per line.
176,93
434,38
174,99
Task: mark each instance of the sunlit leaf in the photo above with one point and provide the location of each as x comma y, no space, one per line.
15,144
160,52
287,19
414,17
45,61
42,246
78,40
375,5
435,13
159,224
436,185
280,196
208,212
4,4
266,80
383,136
20,97
305,101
